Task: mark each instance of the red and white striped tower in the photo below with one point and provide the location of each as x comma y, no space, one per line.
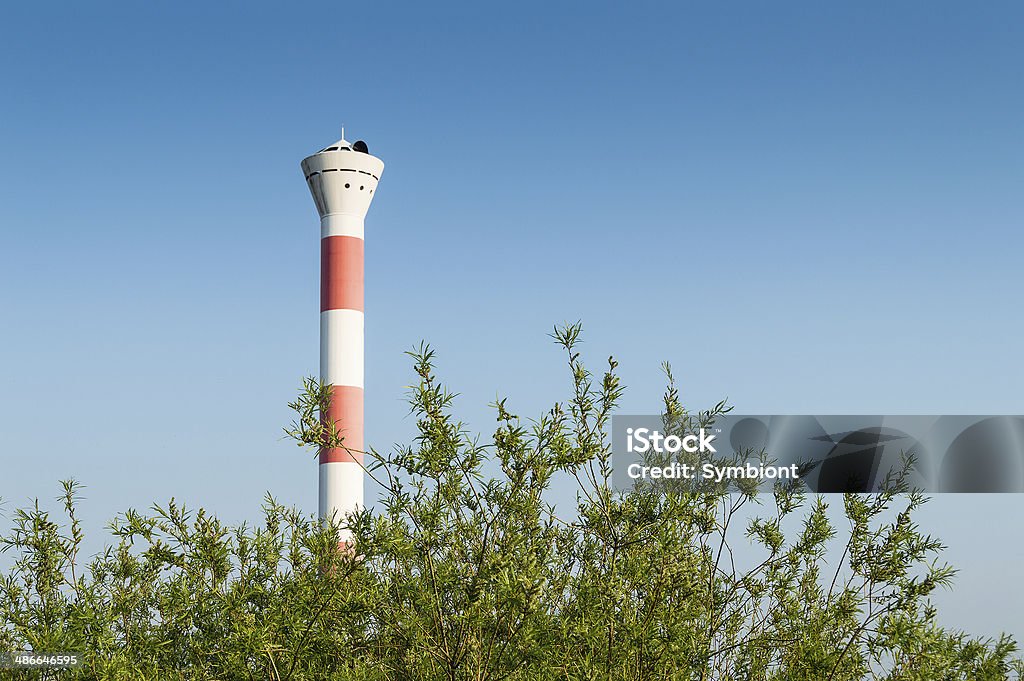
342,178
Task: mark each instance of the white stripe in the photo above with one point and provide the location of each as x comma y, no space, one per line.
341,491
341,347
339,224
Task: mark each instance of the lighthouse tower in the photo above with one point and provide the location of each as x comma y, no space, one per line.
343,179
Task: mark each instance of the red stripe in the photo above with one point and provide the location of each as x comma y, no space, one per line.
341,273
346,409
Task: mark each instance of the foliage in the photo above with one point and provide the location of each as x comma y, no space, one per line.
465,570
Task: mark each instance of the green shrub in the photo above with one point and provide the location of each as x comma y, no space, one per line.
465,571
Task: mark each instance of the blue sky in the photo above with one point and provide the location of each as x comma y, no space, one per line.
805,207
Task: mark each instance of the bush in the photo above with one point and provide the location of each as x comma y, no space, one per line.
466,571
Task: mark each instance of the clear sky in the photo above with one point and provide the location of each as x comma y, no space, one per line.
807,207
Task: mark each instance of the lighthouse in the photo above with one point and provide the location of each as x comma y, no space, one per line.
342,178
